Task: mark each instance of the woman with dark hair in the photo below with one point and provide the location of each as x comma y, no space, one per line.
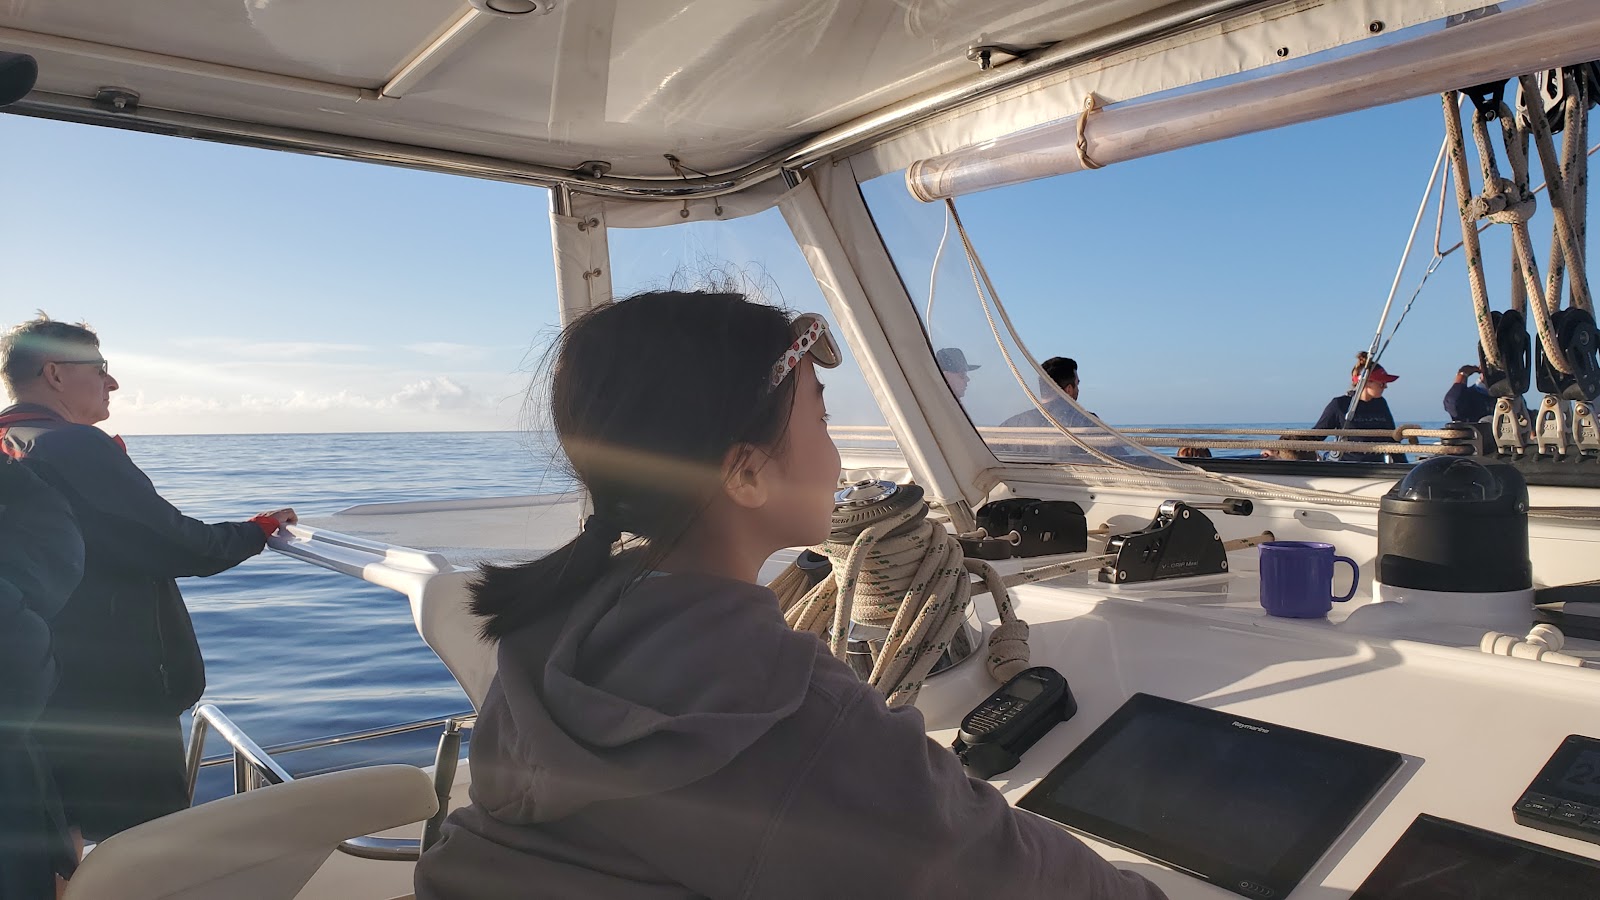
655,729
1372,411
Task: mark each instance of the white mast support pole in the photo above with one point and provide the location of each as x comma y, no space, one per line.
1383,320
583,264
582,252
841,244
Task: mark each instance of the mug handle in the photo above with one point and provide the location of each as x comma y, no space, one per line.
1355,577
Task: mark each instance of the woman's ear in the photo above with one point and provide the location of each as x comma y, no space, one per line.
743,476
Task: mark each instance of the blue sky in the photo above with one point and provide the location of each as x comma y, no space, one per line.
248,291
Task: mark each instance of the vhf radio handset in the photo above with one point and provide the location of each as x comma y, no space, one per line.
995,734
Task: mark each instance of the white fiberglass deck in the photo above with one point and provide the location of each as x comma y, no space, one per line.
1474,729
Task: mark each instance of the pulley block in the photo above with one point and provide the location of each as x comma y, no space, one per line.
1487,99
1554,88
1516,352
1579,341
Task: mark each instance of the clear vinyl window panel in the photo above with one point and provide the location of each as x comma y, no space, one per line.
1228,284
755,255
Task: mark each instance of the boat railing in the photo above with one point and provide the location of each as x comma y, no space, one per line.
1455,439
255,767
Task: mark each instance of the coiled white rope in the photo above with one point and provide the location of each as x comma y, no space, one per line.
895,569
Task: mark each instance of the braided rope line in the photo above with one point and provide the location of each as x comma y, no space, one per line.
1091,563
894,568
1524,262
1090,104
1559,211
1398,434
1469,231
1335,446
1571,144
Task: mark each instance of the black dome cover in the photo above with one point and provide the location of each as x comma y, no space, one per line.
1456,525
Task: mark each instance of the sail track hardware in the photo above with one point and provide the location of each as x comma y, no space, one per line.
1180,541
1026,527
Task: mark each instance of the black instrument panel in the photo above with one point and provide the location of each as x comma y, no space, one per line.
1437,859
1564,797
1244,804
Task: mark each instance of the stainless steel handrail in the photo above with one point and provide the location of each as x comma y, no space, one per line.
344,738
254,767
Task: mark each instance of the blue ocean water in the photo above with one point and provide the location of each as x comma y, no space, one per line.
295,652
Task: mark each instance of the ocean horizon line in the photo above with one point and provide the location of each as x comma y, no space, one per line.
529,431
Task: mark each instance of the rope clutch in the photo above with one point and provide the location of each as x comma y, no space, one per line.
904,575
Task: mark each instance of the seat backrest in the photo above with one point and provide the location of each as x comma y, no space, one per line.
263,844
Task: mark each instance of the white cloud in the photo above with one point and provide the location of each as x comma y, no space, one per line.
448,350
434,394
431,394
236,348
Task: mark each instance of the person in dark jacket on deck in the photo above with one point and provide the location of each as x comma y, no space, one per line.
1061,372
41,560
127,651
1372,411
1468,403
655,729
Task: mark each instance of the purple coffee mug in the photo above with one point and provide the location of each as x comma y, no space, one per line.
1297,578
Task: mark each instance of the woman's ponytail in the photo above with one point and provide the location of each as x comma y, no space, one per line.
558,578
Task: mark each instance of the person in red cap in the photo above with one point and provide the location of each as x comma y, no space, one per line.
1372,411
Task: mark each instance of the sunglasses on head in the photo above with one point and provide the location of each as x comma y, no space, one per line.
810,337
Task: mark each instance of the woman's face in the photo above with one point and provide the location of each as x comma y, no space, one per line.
807,471
1374,390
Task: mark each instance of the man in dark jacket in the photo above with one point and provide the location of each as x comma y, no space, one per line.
41,560
1468,403
127,650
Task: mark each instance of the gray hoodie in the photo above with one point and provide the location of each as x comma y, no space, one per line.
677,740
